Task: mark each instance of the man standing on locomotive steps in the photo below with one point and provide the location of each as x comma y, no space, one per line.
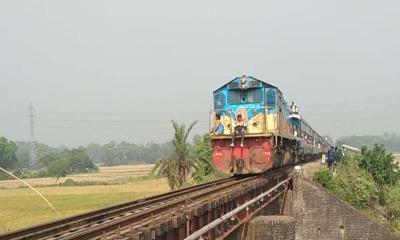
240,128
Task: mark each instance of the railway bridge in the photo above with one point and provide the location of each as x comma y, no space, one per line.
279,204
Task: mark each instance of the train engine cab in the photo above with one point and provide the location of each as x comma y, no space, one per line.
265,116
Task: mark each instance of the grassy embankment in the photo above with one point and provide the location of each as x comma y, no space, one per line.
20,207
363,189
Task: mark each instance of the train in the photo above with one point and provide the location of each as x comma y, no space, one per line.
271,133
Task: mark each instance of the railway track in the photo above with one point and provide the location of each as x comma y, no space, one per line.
54,228
132,219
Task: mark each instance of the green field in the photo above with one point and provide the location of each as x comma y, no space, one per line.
20,207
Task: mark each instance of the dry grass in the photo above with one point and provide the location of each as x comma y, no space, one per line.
20,207
105,174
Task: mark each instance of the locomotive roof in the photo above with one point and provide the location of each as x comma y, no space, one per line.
249,77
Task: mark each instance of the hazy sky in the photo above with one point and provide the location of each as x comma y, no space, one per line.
120,70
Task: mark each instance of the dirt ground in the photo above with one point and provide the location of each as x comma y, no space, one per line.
310,168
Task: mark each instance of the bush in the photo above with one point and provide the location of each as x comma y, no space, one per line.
353,185
69,182
325,178
356,187
202,154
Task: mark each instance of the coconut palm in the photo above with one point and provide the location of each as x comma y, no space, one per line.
177,168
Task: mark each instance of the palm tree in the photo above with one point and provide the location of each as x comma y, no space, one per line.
177,168
167,168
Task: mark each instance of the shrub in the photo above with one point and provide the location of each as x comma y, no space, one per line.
356,187
381,165
393,207
325,178
69,182
353,185
202,154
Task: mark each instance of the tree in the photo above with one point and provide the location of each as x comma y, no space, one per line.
23,149
44,160
66,162
77,160
110,153
96,152
58,168
380,164
8,149
202,154
178,166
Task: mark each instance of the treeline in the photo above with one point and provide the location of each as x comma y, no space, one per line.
61,161
66,162
390,141
50,162
112,153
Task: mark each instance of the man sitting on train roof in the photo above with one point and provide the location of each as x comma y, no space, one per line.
219,127
240,128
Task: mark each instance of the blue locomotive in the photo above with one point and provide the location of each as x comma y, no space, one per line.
253,129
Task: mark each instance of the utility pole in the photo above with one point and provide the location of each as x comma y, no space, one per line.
32,152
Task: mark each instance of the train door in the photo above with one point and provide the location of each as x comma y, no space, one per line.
271,111
280,114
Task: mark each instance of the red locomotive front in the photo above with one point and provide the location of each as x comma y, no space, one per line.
254,157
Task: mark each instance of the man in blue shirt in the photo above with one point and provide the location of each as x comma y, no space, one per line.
219,127
330,158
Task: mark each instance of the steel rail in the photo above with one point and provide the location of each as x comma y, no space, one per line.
99,230
112,219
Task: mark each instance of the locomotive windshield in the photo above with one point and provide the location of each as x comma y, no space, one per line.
245,96
219,101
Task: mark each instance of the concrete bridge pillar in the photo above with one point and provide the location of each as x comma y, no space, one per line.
298,205
281,227
276,227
